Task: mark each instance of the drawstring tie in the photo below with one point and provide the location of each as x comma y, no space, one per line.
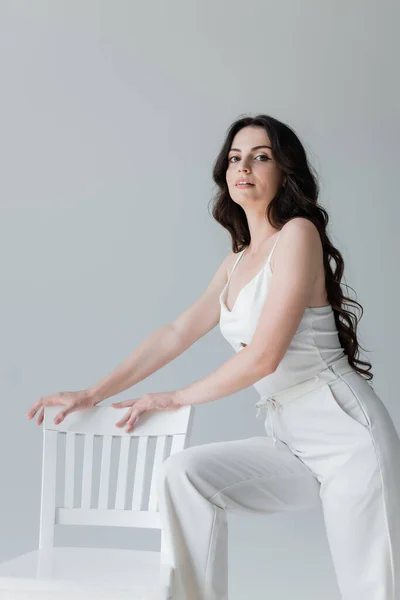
269,402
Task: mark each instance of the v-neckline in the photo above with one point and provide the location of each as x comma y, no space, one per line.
224,290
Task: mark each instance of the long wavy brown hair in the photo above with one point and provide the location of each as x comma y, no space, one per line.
297,198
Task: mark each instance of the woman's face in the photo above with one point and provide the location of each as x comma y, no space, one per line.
250,157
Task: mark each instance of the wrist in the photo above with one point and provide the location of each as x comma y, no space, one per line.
92,396
181,398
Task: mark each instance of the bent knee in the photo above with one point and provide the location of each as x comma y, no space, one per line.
190,461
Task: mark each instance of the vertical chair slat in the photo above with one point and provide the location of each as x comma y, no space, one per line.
48,495
178,443
138,485
87,470
105,471
122,473
69,470
158,459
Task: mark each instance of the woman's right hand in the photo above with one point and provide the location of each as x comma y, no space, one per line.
70,400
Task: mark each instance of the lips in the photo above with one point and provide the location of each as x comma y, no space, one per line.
240,183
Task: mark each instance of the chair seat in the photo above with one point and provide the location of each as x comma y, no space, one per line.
76,573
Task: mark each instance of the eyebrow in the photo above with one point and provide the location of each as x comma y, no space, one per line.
254,148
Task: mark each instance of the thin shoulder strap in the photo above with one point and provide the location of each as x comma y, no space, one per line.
273,248
235,263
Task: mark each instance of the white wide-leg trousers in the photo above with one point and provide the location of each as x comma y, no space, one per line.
335,444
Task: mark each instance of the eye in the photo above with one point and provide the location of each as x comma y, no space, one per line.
258,155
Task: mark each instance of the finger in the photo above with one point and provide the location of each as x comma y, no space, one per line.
131,423
63,413
124,419
41,417
33,410
47,401
123,403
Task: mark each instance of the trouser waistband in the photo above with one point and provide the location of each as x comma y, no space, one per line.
278,399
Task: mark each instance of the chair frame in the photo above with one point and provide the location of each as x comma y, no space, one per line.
100,421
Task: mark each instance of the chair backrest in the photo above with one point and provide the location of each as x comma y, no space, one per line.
95,427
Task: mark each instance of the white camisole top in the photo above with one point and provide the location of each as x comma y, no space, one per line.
314,346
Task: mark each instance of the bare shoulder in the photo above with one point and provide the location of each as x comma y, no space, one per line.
302,225
299,237
301,231
229,262
204,313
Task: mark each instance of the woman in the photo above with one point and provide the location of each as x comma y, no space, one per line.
329,438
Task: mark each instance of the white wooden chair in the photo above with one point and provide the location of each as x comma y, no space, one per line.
80,573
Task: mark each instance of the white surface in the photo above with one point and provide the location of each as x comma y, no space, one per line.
102,572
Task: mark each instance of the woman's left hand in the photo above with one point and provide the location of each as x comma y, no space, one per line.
152,401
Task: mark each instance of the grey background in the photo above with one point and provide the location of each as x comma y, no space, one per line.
112,114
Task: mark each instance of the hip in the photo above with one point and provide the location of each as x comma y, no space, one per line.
337,408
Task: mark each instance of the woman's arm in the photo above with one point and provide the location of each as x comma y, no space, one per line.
165,343
157,350
298,258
